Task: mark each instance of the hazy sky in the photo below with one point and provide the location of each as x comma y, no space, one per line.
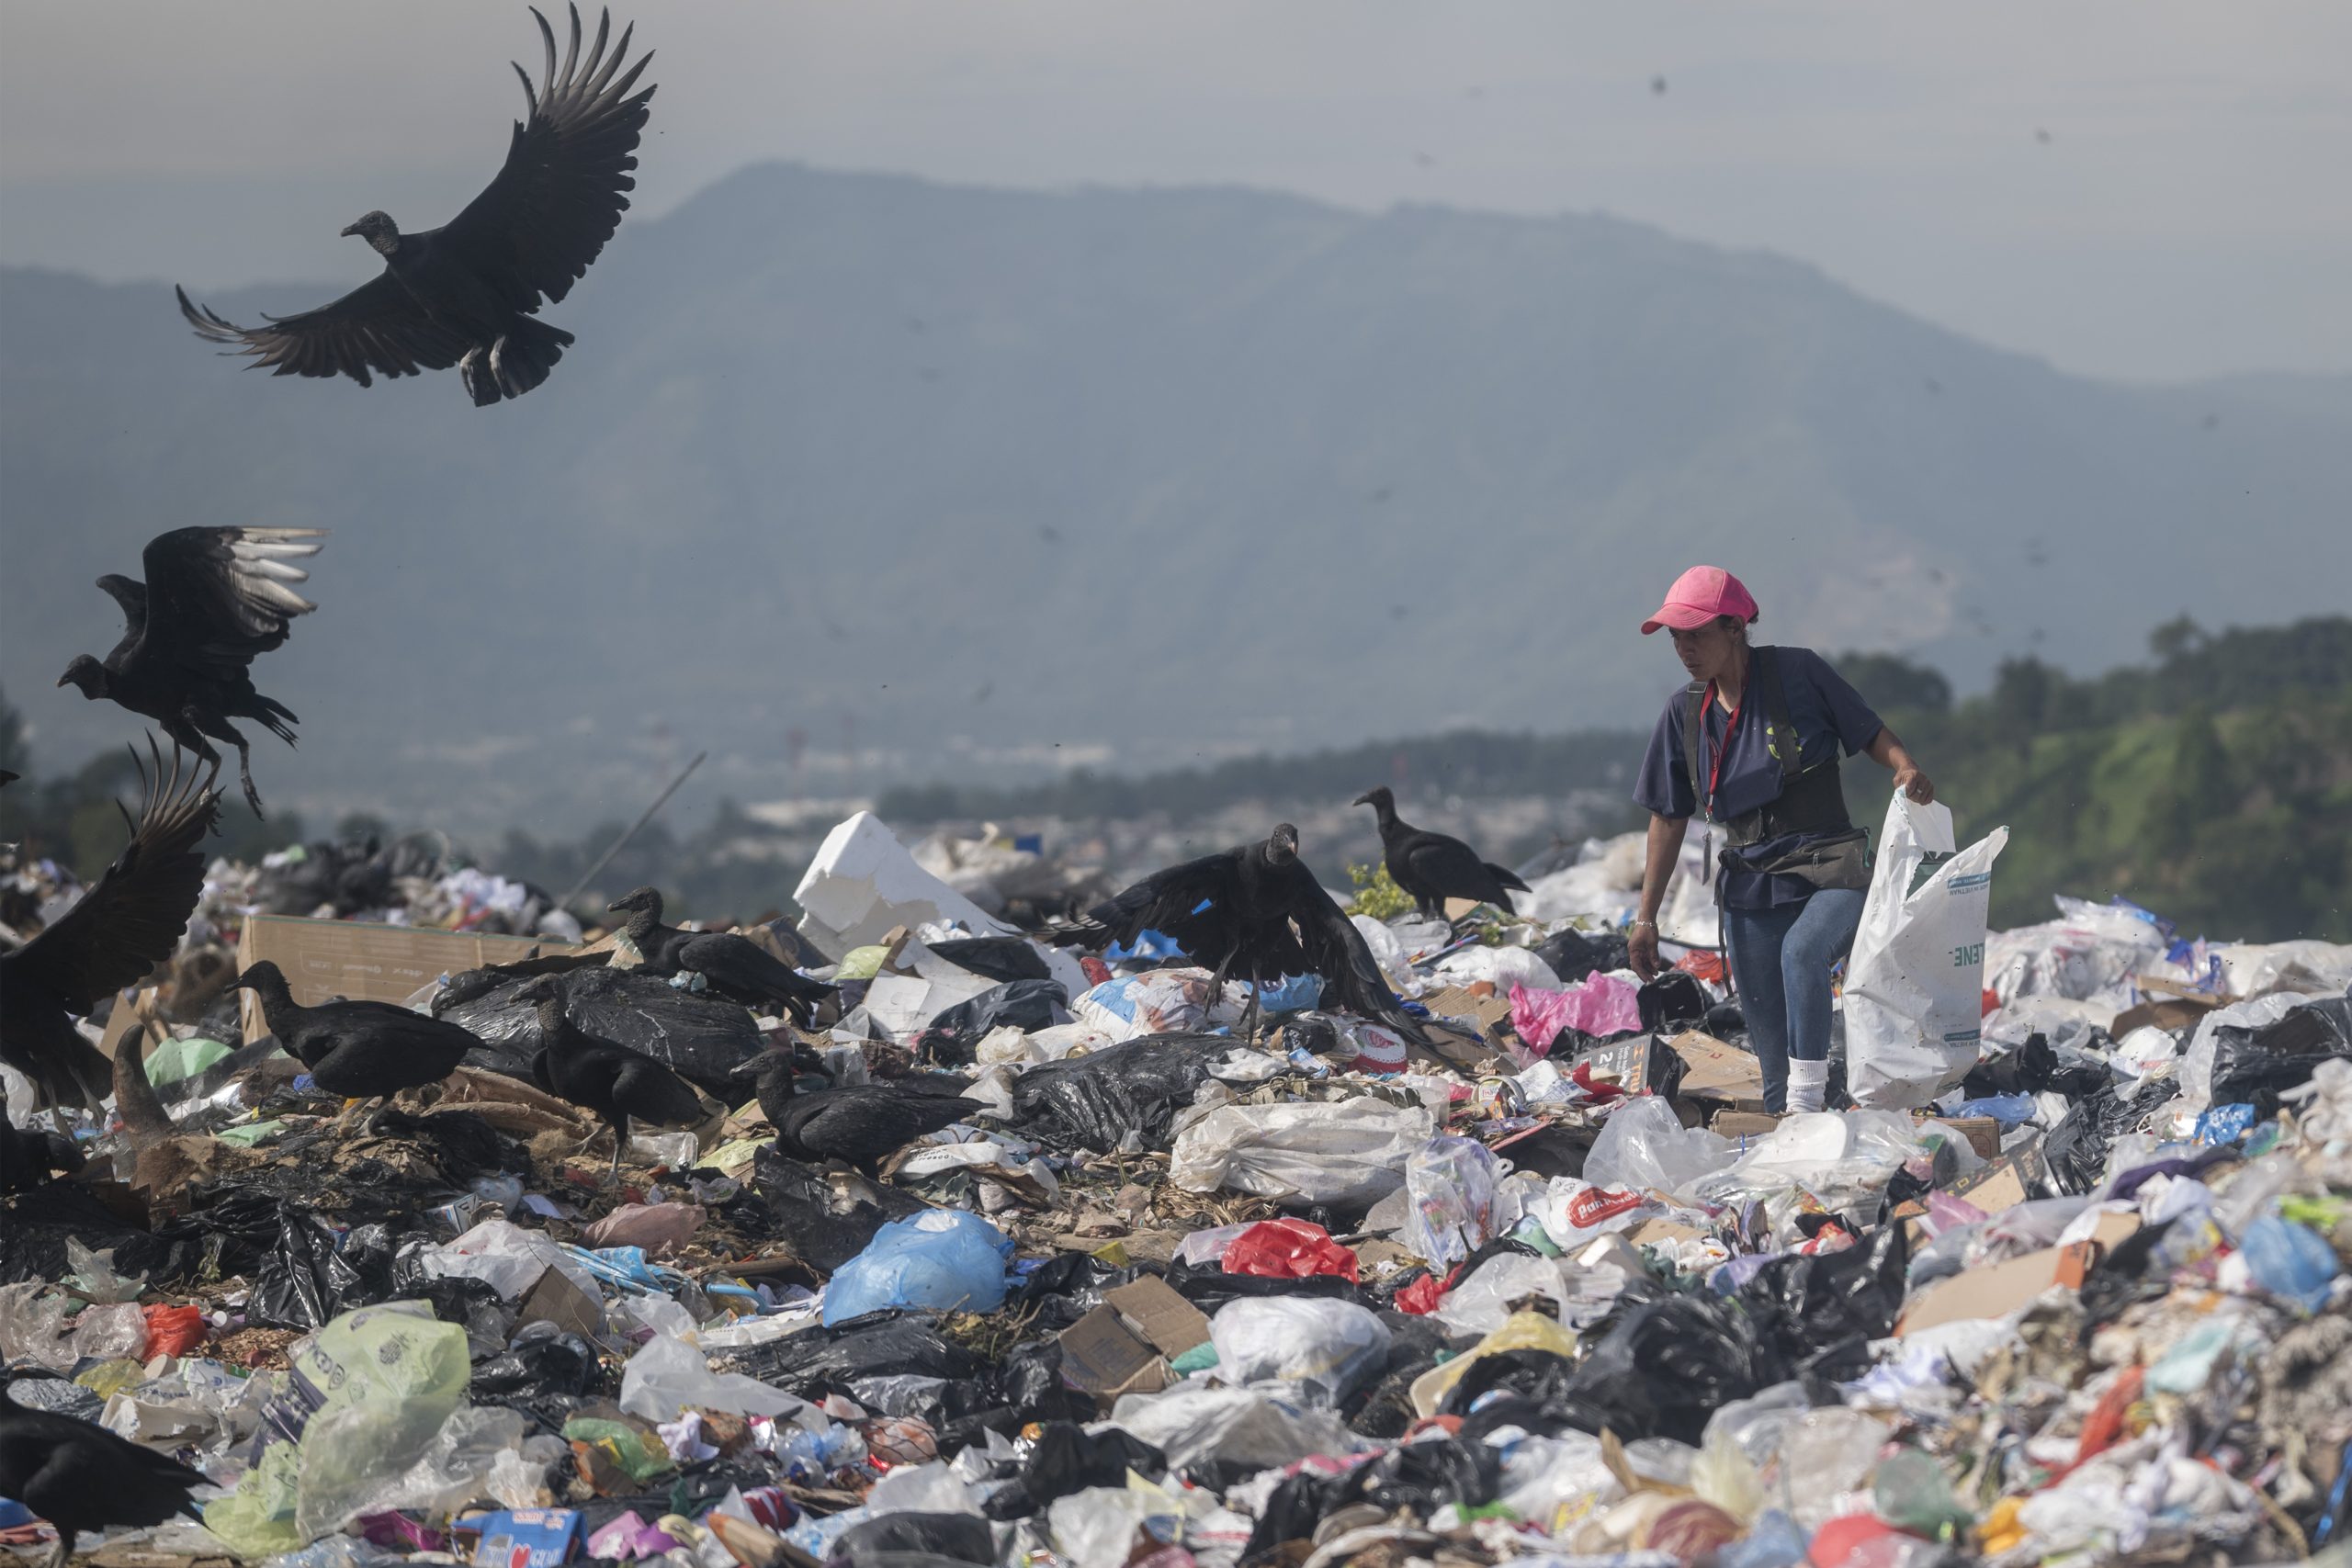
2138,188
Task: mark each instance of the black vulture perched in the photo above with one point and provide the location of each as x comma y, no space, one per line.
1433,867
858,1124
616,1083
121,929
357,1050
737,967
214,600
466,294
79,1476
1256,909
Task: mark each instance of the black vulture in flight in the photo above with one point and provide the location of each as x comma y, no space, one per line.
79,1476
214,599
1256,909
121,929
466,294
1432,867
737,967
616,1083
357,1050
858,1124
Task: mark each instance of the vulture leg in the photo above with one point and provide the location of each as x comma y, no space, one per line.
1249,1012
479,381
620,1136
221,730
62,1551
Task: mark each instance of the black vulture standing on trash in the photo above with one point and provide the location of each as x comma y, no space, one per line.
357,1050
465,294
1256,909
858,1124
214,600
1433,867
737,967
119,930
616,1083
79,1476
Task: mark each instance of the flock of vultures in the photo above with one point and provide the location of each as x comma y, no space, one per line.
215,599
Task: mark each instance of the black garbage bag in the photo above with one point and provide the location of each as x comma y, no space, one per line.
1209,1287
702,1039
1065,1458
1661,1368
2038,1066
1573,954
305,1283
829,1216
2076,1148
2251,1065
1425,1476
820,1361
1096,1101
2132,1270
1550,1149
954,1033
1725,1022
882,1542
461,1144
541,1360
1672,1003
36,1225
1821,1313
1000,958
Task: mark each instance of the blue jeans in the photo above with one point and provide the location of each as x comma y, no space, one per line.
1780,960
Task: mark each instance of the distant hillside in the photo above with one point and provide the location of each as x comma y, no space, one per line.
960,483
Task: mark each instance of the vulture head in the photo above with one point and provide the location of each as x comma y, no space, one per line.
378,230
1380,797
637,901
88,674
1282,844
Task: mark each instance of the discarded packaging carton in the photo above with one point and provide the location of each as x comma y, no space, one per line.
1102,1356
1491,1011
1740,1125
554,1298
1152,1310
2004,1288
325,959
1984,1133
1715,1071
1642,1064
2169,1005
863,881
2006,1181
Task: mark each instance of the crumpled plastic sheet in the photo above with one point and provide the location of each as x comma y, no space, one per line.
1455,1202
1644,1147
1324,1349
1601,1007
1101,1100
1346,1152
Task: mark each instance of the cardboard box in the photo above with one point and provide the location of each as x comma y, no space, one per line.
1152,1310
325,959
1491,1011
1984,1133
2004,1288
1743,1125
1717,1072
1101,1356
1641,1064
2006,1181
2169,1005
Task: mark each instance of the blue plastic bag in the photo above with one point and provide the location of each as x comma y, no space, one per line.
943,1258
2290,1262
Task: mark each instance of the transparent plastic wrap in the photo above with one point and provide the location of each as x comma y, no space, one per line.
1350,1151
1454,1184
1643,1147
1326,1348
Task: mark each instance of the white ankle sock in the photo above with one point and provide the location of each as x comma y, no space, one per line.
1808,1083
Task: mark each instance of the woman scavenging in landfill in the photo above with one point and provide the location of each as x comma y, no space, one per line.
1752,744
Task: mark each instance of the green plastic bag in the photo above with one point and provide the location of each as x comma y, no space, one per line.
366,1394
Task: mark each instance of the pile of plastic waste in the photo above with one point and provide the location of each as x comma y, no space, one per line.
1543,1285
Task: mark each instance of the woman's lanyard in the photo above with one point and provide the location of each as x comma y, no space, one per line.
1716,771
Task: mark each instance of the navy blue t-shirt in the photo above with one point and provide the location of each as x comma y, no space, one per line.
1826,714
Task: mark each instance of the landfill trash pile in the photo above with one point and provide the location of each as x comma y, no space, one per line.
1534,1280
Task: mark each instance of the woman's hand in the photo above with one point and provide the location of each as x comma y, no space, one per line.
1916,785
1641,950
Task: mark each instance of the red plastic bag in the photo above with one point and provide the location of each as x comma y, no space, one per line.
1288,1249
1704,963
174,1330
1422,1297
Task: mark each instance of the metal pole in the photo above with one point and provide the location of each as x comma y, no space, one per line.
622,843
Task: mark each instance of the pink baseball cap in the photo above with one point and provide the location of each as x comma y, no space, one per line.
1700,595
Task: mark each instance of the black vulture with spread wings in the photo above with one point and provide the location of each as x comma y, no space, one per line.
214,600
1257,911
466,294
1433,867
121,929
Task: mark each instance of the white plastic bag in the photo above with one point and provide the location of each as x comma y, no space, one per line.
1350,1151
1322,1347
1643,1147
1915,983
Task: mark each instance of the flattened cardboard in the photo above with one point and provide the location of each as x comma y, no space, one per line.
1491,1011
323,959
1101,1356
1984,1133
2004,1288
2006,1181
1152,1310
554,1298
1715,1071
